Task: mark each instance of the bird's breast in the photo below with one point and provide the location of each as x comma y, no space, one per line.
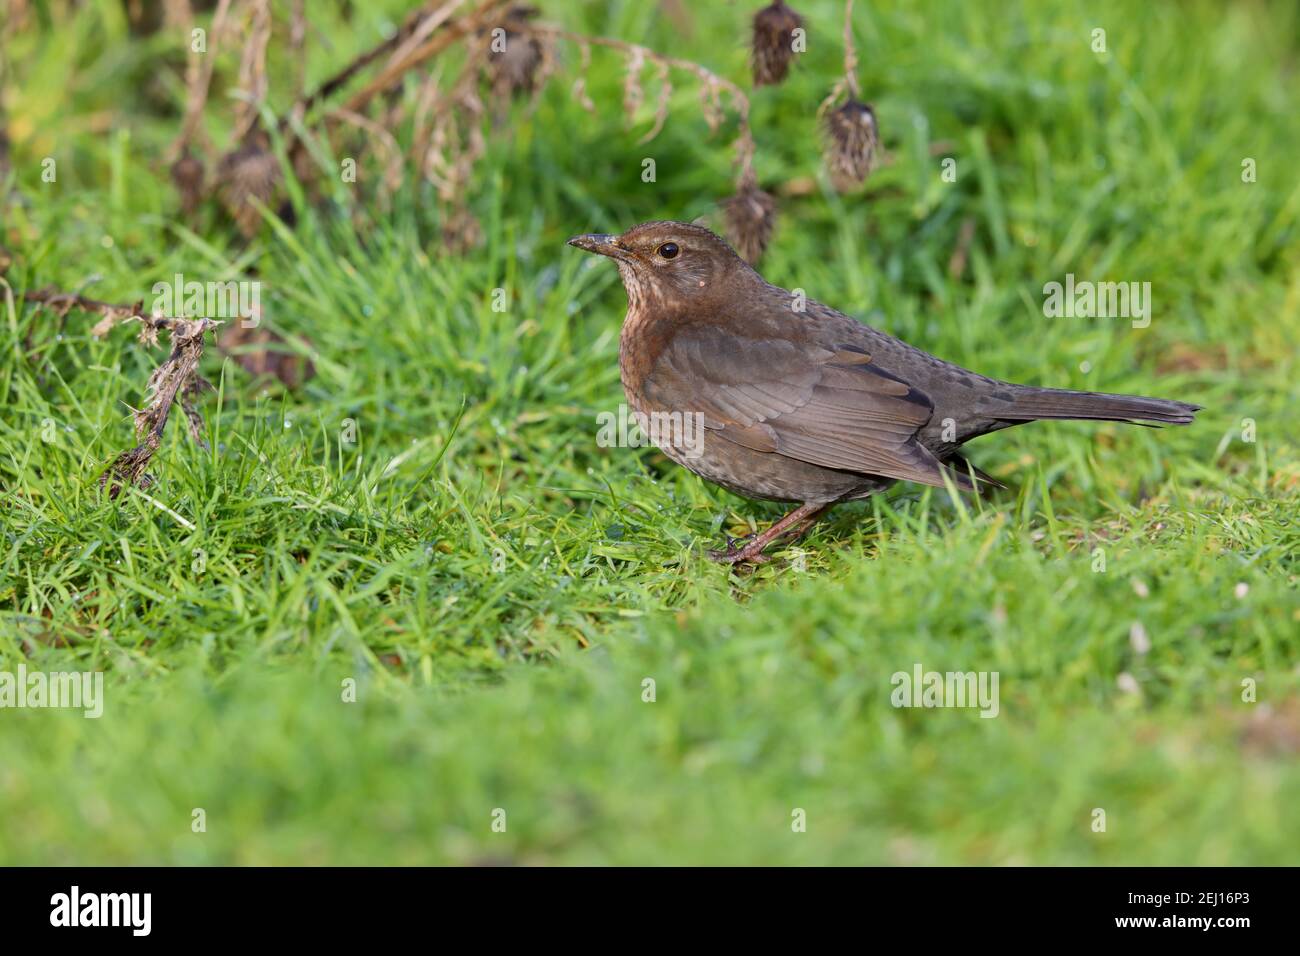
642,340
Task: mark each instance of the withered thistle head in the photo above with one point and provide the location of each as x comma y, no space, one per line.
187,175
852,140
247,173
750,216
515,60
773,43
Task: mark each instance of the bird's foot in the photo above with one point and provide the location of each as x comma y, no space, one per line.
743,551
735,548
749,550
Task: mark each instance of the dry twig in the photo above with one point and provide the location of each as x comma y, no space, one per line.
177,378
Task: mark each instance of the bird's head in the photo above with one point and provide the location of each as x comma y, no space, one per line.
668,260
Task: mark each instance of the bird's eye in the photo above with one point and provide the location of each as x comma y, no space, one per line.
669,250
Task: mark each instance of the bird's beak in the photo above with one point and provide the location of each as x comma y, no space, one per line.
599,243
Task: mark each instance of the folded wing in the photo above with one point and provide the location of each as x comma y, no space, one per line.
832,408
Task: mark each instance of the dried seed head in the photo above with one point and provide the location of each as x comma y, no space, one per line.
461,231
515,60
773,44
148,336
247,173
852,140
187,175
750,216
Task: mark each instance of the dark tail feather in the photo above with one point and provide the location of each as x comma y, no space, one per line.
1032,404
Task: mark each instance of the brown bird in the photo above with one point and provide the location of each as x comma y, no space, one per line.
777,397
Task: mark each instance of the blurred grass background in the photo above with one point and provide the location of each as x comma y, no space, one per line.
500,587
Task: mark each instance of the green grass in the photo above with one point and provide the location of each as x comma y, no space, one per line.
500,587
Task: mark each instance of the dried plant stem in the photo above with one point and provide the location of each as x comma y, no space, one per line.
713,82
661,108
4,128
850,52
64,302
410,57
421,127
454,144
298,49
848,83
957,262
176,379
423,27
252,70
381,135
342,77
580,84
198,78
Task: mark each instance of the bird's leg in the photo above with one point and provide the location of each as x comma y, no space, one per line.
801,527
796,523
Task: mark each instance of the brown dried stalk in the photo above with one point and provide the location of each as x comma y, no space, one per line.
177,378
711,83
455,144
61,303
4,120
849,81
427,41
632,94
661,107
392,179
425,33
342,77
252,70
198,78
580,84
298,49
187,170
446,143
421,126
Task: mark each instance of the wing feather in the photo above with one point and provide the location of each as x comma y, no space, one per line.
835,408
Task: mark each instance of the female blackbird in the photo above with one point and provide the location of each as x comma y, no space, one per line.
795,401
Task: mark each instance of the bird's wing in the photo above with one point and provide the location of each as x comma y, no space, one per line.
835,408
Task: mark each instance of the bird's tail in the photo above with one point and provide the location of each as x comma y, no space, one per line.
1032,404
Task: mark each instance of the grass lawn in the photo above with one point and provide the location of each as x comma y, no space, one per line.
499,588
